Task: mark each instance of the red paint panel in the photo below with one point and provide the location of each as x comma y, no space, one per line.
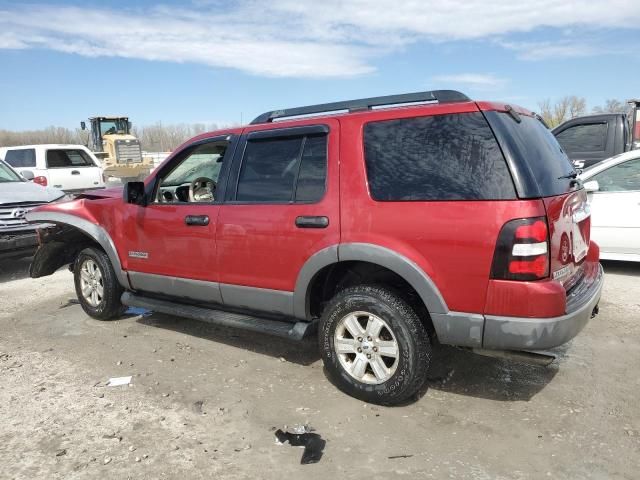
546,298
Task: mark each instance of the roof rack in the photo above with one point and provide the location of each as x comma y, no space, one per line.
440,96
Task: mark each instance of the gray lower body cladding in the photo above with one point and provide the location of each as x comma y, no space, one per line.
516,333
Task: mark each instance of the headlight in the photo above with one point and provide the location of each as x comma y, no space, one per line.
65,198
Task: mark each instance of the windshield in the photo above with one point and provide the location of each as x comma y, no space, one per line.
118,125
8,175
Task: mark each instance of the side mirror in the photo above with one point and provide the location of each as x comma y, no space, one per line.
133,193
28,175
83,125
591,186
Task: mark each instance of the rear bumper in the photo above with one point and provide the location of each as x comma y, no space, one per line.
18,244
516,333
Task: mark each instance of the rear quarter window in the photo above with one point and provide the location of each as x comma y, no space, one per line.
443,157
536,157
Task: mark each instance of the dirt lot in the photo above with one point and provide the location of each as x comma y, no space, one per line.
204,402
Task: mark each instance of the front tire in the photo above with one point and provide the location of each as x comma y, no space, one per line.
373,345
97,287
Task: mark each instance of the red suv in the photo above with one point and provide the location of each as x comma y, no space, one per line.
384,224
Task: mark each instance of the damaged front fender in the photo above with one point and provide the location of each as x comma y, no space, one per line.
60,244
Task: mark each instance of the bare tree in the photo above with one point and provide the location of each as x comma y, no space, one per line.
562,110
612,106
153,138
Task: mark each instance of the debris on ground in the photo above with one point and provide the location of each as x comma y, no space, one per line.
61,452
393,457
118,381
303,436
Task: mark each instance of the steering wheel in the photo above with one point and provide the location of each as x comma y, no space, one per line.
202,189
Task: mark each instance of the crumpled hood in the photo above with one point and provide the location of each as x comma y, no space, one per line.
20,192
114,192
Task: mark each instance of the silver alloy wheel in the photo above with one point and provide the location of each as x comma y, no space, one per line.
91,283
366,347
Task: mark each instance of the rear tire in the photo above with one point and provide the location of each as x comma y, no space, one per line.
97,287
373,345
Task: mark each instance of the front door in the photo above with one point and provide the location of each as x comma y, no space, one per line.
282,206
615,209
171,243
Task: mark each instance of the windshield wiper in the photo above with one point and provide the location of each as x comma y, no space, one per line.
571,175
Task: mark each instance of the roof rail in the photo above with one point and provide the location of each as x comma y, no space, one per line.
440,96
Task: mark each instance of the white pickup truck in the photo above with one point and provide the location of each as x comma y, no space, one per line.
71,168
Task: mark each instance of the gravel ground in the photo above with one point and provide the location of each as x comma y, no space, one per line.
204,402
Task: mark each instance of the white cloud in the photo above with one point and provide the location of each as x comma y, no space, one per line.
557,50
477,81
294,38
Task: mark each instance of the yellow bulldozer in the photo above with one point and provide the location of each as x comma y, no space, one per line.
119,151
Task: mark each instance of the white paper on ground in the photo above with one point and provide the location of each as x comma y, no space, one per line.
117,381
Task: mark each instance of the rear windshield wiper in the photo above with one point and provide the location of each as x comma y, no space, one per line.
571,175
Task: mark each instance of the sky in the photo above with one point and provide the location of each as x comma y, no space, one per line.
225,62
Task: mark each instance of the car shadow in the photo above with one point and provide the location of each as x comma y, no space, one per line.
630,269
452,369
303,352
463,372
14,269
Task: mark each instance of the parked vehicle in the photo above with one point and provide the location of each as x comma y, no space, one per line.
590,139
72,168
384,228
17,197
614,195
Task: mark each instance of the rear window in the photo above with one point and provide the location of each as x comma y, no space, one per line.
536,155
590,137
442,157
24,157
68,158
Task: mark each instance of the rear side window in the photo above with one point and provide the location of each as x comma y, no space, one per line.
443,157
68,158
283,169
591,137
25,157
541,164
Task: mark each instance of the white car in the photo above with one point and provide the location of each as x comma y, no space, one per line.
72,168
613,186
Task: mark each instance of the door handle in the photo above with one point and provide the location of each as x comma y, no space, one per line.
312,222
75,172
197,220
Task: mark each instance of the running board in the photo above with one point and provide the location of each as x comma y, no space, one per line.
293,331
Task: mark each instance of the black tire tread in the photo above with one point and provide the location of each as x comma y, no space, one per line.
419,338
111,308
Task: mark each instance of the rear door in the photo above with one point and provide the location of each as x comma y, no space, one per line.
72,169
615,209
282,207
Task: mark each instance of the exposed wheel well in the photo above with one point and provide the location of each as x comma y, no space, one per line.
59,245
338,276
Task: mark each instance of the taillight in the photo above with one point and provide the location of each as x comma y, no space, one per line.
522,250
40,181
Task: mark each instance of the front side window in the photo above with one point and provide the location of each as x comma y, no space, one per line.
67,158
591,137
624,177
21,158
442,157
283,169
195,177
